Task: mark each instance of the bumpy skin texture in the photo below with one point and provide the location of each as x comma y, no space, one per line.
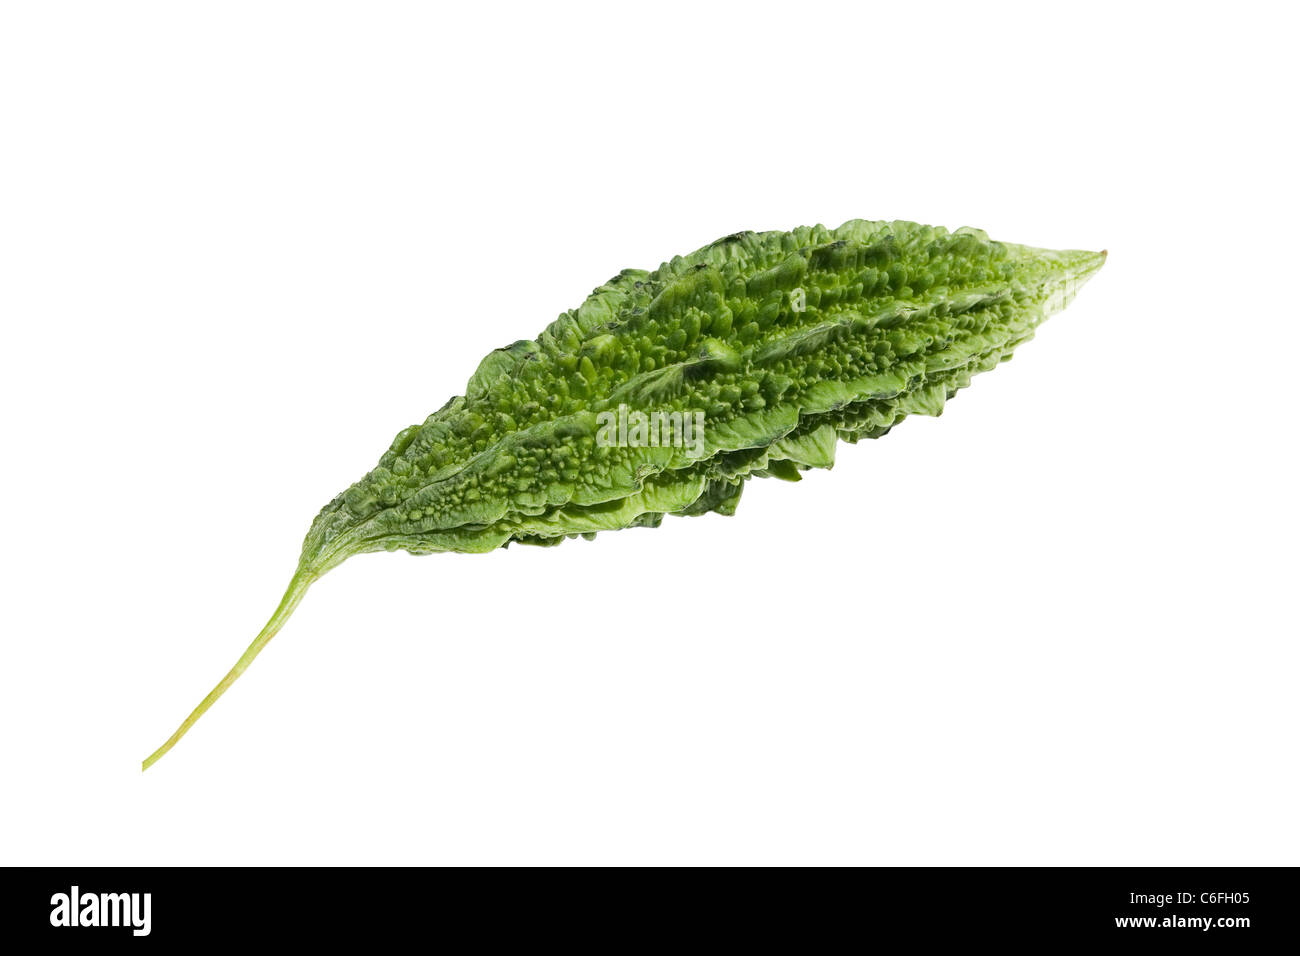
895,318
898,316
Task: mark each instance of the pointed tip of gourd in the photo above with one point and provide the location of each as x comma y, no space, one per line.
1095,260
1079,268
1092,265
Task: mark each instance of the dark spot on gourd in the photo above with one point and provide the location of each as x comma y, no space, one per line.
734,237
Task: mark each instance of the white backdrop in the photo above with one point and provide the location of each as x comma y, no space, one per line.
243,244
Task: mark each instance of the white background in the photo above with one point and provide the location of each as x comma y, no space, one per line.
243,244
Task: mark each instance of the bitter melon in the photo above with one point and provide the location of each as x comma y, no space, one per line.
779,343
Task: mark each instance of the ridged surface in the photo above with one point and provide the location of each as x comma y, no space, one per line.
895,318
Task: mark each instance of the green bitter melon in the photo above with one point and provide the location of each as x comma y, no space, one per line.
786,342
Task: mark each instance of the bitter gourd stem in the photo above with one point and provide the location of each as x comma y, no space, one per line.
297,588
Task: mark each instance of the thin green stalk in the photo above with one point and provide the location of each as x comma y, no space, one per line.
297,588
